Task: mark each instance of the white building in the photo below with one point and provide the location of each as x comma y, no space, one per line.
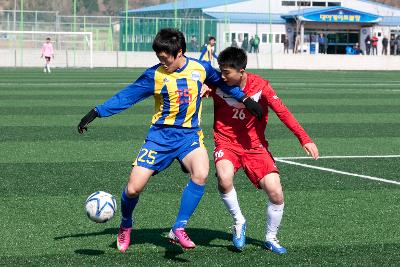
343,22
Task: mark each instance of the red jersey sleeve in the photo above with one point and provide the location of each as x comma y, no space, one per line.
283,113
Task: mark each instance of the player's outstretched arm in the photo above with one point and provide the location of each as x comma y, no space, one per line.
311,149
88,118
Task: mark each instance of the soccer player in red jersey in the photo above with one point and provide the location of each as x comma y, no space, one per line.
240,143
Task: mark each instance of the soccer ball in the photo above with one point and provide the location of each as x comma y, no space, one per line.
100,206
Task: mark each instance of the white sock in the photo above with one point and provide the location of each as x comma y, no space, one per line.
48,67
274,218
231,202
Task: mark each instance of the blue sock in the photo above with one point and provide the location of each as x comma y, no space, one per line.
127,206
191,197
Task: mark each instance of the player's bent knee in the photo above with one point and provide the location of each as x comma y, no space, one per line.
225,184
131,191
276,197
200,177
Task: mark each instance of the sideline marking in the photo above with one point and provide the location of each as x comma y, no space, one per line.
343,157
340,172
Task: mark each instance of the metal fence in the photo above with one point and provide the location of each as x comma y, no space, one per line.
110,33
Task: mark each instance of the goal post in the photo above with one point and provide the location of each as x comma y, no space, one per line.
74,48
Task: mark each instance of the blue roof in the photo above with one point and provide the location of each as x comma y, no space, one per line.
333,14
185,4
311,11
238,17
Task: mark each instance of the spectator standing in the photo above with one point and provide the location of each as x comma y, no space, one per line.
245,43
392,45
286,45
398,45
368,44
357,50
374,42
321,44
256,43
234,43
385,43
251,43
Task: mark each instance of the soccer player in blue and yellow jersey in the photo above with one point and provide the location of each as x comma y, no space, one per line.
208,52
175,133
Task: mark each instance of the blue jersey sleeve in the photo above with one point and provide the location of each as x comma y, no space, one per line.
203,52
214,77
142,88
215,55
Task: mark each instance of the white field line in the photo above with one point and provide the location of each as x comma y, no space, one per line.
339,172
343,157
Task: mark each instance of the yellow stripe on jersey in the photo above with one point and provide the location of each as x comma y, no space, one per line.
158,100
201,139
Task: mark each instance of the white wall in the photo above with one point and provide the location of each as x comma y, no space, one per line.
148,59
251,29
262,6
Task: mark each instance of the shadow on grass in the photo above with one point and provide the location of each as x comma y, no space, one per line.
89,252
158,237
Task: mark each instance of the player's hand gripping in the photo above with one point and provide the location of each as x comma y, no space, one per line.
311,149
254,107
205,91
92,114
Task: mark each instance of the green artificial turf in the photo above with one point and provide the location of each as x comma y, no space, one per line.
48,170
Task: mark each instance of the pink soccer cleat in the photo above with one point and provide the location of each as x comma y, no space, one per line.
180,236
124,238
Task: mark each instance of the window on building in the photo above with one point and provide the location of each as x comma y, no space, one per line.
277,38
303,3
334,4
227,40
239,37
270,36
288,3
319,3
233,36
283,37
264,38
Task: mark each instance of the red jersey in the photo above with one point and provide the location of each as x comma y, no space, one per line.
374,41
234,124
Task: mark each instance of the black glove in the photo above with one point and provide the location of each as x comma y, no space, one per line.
253,107
86,120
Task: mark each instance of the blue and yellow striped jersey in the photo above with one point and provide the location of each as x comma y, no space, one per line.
208,53
177,95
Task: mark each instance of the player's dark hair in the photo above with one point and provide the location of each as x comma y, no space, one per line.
48,38
232,57
170,41
211,38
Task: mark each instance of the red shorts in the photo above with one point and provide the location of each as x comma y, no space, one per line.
256,162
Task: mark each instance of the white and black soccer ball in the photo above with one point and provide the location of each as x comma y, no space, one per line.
100,206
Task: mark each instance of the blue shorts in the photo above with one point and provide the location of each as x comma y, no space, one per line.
164,144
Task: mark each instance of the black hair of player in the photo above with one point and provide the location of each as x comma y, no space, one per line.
232,57
48,38
170,41
211,38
